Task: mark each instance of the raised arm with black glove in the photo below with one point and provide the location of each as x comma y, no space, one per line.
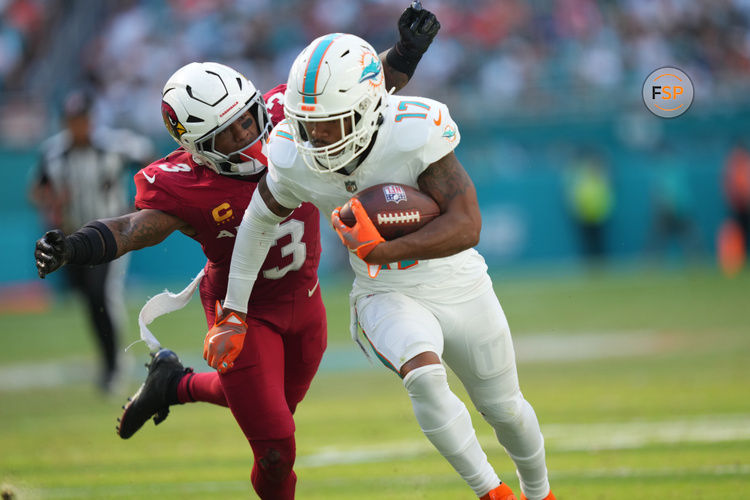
417,27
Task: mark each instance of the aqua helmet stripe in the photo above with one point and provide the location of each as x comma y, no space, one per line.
309,86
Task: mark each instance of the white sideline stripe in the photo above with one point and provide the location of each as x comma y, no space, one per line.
629,435
558,346
45,374
558,438
215,487
706,470
569,346
565,438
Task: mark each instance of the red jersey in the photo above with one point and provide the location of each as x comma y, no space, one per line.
213,205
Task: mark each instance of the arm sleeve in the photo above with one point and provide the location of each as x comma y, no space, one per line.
256,234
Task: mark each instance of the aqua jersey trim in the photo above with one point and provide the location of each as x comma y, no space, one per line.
284,135
382,358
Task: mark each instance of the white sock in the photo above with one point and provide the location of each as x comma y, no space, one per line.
518,431
445,421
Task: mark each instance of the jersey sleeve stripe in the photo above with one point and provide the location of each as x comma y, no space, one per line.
285,135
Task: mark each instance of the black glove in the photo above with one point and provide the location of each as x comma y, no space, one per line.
52,252
417,28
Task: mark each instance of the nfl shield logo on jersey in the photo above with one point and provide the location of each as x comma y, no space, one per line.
351,186
394,193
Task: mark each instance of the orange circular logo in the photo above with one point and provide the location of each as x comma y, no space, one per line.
668,92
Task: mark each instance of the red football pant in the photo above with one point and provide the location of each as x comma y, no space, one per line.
280,356
274,369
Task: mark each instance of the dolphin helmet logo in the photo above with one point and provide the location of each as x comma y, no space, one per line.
449,132
371,71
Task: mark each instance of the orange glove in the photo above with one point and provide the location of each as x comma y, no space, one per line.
224,340
363,236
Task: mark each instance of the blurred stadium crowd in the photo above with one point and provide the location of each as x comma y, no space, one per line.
512,57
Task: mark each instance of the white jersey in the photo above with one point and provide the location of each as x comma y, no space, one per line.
416,132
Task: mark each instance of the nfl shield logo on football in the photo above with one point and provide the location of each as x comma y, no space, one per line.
351,186
394,193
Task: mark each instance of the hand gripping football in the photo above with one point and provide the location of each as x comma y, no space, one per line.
395,209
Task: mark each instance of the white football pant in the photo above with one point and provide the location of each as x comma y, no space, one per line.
473,338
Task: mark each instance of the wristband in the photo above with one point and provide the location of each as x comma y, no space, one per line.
93,244
397,60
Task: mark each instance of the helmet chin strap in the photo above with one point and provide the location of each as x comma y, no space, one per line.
249,167
257,161
353,165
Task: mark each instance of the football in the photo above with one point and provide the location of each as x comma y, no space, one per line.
395,209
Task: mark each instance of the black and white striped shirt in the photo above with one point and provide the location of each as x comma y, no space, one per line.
90,178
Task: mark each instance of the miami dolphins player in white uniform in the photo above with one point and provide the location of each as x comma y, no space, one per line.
423,299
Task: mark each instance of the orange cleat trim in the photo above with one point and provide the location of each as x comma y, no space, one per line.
502,492
550,496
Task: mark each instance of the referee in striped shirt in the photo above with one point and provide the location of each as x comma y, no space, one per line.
80,177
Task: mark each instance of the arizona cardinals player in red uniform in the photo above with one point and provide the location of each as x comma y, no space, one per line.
202,190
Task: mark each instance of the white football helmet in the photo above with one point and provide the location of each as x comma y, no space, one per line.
202,99
338,77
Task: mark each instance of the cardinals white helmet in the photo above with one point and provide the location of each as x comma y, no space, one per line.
338,77
200,100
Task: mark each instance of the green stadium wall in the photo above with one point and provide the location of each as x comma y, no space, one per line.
519,169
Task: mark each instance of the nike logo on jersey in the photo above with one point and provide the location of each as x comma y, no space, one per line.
312,291
149,178
439,118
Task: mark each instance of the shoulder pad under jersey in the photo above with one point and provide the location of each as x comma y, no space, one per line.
170,169
274,99
281,149
415,120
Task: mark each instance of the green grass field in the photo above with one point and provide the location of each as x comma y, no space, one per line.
640,378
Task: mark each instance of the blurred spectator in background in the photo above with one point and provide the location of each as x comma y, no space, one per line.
21,23
672,201
80,178
733,239
565,67
508,56
590,199
737,187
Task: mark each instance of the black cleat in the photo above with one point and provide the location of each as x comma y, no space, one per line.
155,395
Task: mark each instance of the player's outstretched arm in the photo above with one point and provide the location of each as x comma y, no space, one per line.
416,27
104,240
255,235
457,227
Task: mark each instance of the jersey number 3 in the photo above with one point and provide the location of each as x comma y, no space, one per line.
295,248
